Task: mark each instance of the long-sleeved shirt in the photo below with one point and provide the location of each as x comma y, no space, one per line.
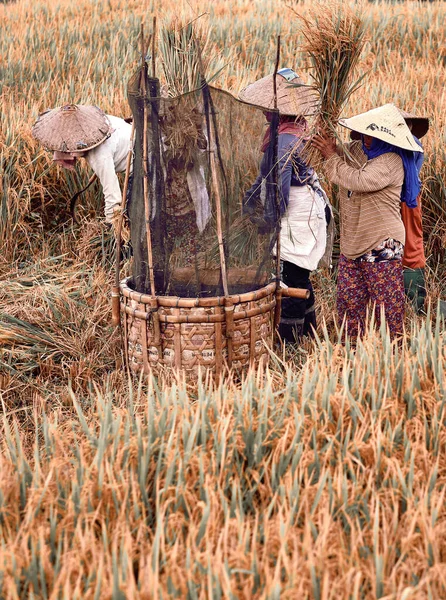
292,170
110,158
370,198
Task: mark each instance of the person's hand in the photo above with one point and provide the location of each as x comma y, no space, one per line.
125,233
325,144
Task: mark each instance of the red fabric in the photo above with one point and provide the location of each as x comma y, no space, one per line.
298,129
413,257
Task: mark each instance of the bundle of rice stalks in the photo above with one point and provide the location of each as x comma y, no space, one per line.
182,127
333,40
186,59
186,56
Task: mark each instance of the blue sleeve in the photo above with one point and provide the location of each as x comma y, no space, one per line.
253,194
288,146
418,156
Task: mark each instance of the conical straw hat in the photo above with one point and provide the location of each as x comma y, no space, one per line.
385,123
420,125
72,128
290,100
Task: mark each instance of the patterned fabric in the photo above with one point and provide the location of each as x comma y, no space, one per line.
372,212
388,250
298,317
177,196
362,284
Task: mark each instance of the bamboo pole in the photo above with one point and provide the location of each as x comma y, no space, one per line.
218,212
278,308
154,48
116,321
155,314
221,248
229,304
149,271
295,293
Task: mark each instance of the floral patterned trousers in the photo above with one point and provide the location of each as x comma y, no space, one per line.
362,284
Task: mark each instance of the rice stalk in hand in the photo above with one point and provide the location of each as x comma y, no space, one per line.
333,40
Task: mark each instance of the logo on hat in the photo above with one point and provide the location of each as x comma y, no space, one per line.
375,127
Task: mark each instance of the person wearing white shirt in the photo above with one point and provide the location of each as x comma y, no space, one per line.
108,159
75,131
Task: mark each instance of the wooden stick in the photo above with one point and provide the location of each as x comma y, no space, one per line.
296,293
145,174
221,247
77,194
154,48
213,138
116,321
276,68
278,308
155,314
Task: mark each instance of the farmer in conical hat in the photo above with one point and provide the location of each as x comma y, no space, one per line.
374,174
74,131
304,206
414,259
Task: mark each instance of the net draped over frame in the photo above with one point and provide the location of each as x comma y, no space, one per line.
185,135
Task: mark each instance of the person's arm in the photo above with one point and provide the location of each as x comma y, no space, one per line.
287,151
252,195
100,160
340,150
376,174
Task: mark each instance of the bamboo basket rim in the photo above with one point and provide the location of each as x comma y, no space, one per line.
201,318
179,302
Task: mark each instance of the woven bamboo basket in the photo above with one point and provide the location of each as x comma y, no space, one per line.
186,334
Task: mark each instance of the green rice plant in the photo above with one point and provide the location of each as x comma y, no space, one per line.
323,476
236,490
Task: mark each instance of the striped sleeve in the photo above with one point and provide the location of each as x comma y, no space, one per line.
375,175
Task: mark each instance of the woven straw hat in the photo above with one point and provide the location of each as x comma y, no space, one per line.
291,101
385,123
72,128
420,125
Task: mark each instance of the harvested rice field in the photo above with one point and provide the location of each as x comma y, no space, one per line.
321,476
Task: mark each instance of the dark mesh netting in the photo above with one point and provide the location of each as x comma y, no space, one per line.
212,220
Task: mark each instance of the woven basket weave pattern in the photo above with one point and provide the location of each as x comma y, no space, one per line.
72,128
186,346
